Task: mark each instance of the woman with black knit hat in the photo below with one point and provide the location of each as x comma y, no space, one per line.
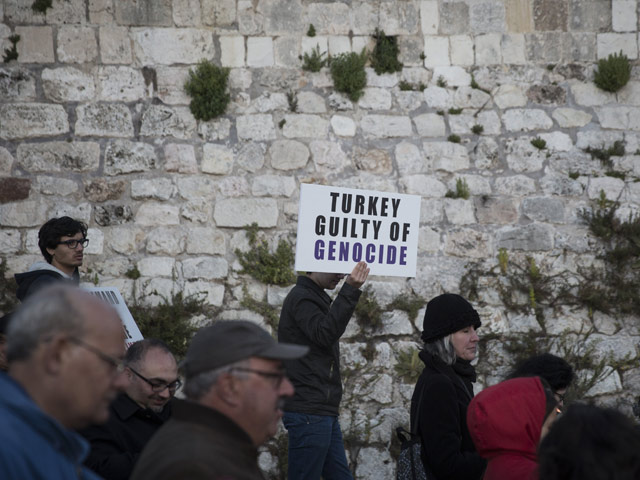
445,388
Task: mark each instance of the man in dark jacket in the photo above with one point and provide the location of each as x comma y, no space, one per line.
137,413
62,242
235,385
309,317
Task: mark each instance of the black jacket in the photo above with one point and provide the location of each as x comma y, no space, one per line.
447,449
198,443
116,445
33,280
308,317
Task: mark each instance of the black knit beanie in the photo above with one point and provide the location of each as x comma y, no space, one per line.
447,313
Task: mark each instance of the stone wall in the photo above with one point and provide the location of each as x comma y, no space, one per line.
95,124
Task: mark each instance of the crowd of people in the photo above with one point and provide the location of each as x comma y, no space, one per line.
76,403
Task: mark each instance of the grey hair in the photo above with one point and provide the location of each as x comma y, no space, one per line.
197,386
48,312
443,349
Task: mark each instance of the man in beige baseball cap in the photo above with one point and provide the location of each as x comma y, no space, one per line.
235,386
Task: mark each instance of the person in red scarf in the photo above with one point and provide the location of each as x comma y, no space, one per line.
507,422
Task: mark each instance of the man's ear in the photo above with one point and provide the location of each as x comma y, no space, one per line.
229,389
55,353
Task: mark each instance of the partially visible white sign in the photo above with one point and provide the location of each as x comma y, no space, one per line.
338,227
112,296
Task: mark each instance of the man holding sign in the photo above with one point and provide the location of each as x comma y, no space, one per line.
309,317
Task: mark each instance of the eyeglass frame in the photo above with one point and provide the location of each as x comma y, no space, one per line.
83,241
155,387
277,376
560,396
118,365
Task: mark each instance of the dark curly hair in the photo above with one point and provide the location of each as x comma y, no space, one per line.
555,370
590,443
56,228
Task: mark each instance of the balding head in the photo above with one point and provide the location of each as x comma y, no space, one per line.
64,348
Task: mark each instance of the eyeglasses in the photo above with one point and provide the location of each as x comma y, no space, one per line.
117,365
158,385
276,377
559,396
73,244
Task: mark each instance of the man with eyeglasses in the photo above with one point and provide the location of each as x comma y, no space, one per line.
235,386
65,349
137,413
62,242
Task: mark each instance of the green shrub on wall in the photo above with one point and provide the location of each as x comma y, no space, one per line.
207,87
347,71
613,72
384,58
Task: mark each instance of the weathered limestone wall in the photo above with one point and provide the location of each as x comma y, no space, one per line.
94,123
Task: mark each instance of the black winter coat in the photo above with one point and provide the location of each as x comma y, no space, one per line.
309,317
34,280
116,445
448,452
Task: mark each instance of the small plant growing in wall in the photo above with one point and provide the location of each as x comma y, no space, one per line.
41,6
133,273
462,190
613,72
477,129
368,310
311,32
313,62
539,143
441,82
604,154
349,76
270,268
409,366
384,58
455,111
453,138
292,100
11,53
207,87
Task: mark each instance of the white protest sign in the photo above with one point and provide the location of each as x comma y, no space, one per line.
112,296
338,227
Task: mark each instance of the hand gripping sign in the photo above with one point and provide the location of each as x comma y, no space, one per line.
338,227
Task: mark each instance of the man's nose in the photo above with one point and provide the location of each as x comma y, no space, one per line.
286,388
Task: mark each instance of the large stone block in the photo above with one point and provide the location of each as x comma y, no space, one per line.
372,160
610,43
282,16
170,85
153,213
115,45
250,156
56,186
17,84
386,126
273,185
550,15
329,18
68,84
518,16
120,84
166,240
487,16
144,12
232,51
255,127
624,15
454,18
459,211
579,47
588,95
327,156
589,15
106,215
288,155
516,185
569,117
429,17
446,156
219,12
304,126
210,293
10,241
166,46
489,49
14,189
24,120
619,118
286,50
101,190
104,120
163,121
514,50
436,50
467,243
375,99
59,156
522,156
101,12
123,156
260,52
545,47
196,187
27,213
543,209
205,241
180,158
76,44
343,126
35,45
157,188
240,212
400,18
496,210
461,50
216,159
156,266
430,125
533,237
525,120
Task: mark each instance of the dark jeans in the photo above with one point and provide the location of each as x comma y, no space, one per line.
315,447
